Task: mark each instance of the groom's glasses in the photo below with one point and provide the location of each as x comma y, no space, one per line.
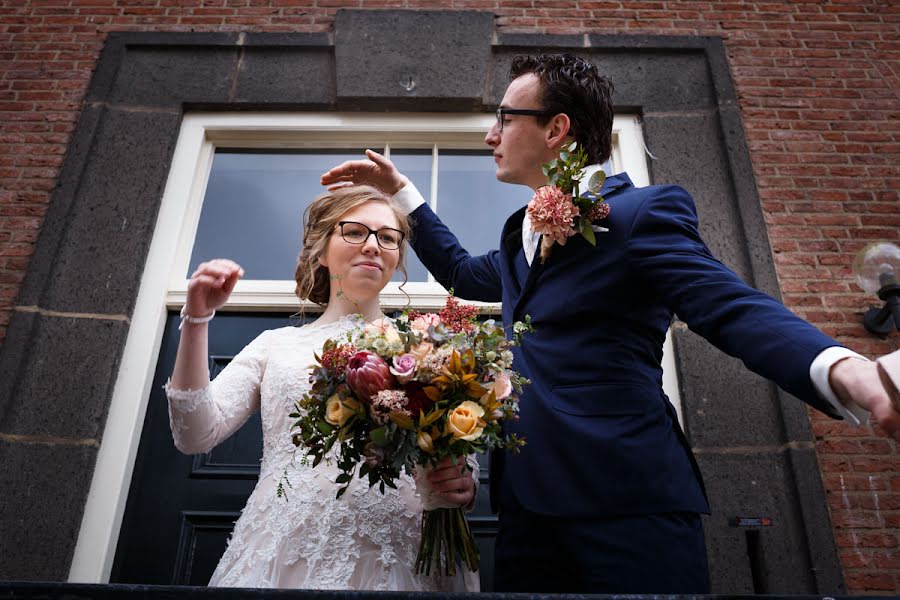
388,238
517,111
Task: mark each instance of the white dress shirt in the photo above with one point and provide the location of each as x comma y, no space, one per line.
409,199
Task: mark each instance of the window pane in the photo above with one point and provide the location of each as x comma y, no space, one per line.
470,200
415,164
253,209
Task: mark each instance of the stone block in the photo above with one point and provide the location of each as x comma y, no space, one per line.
44,489
424,60
63,382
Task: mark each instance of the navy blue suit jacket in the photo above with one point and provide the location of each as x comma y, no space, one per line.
602,437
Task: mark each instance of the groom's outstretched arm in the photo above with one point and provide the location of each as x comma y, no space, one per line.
867,384
666,249
470,277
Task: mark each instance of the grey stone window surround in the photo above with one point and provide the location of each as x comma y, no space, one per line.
64,342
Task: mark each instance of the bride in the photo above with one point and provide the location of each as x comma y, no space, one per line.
353,242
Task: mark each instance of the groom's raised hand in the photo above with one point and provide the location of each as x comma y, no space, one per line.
869,386
374,170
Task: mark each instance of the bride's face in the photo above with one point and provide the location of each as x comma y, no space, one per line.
363,264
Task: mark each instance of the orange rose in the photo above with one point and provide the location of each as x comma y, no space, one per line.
337,411
465,421
424,441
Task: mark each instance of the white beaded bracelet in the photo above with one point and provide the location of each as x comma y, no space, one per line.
186,318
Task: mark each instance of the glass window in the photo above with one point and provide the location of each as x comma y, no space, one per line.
253,208
417,165
470,200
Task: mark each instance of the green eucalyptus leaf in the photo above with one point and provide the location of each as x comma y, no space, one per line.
572,146
588,233
596,181
380,436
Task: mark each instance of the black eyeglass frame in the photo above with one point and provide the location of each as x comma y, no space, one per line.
371,232
518,111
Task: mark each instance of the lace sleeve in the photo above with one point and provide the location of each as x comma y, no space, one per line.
201,419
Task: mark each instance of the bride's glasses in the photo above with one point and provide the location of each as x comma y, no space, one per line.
388,238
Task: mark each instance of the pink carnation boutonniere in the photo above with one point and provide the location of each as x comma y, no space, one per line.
557,211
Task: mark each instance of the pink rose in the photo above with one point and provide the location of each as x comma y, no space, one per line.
384,328
502,386
404,367
421,323
421,351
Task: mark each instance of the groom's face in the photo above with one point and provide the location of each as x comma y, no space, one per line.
521,148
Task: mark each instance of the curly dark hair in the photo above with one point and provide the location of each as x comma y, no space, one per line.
572,85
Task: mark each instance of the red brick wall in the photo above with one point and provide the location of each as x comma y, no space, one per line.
818,84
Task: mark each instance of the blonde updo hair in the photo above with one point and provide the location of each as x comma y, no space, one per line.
320,221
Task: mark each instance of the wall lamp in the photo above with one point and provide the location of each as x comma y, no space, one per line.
877,269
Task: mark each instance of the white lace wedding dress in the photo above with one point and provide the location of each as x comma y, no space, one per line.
366,540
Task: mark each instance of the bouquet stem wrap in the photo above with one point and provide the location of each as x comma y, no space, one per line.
446,541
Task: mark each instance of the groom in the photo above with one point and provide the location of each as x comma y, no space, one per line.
606,496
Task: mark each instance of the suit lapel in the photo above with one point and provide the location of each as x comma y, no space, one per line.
511,250
610,187
537,267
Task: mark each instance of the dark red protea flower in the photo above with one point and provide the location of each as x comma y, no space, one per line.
368,374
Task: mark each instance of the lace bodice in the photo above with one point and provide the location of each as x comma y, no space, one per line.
365,540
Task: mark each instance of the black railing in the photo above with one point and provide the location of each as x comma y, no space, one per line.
72,591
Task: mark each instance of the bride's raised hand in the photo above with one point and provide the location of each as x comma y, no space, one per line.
375,170
210,286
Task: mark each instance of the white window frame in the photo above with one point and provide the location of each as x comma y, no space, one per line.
163,284
439,132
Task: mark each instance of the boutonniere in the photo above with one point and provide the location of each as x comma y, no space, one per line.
558,211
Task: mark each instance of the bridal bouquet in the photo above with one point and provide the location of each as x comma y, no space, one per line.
413,392
557,211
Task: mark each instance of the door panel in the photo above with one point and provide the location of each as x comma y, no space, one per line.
201,542
181,508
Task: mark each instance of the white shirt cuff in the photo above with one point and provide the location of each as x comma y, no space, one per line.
818,373
408,198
